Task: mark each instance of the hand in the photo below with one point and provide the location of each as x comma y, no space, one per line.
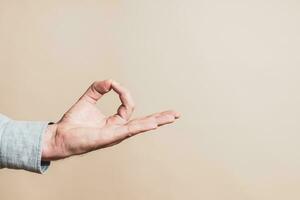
83,128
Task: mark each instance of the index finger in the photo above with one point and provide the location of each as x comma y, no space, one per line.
126,109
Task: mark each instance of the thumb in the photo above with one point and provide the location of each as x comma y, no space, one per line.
97,90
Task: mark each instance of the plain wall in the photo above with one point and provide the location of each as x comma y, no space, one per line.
232,68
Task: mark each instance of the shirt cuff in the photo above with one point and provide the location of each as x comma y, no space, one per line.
21,146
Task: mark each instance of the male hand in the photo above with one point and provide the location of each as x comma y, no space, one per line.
83,128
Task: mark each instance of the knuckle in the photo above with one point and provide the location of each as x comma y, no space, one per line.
154,126
93,85
126,92
133,106
130,132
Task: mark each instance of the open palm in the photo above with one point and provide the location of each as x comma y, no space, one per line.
84,127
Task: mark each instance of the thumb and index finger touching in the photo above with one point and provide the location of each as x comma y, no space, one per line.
100,88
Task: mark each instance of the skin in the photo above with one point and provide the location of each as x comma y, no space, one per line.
84,128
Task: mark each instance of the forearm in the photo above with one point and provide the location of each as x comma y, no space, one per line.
21,145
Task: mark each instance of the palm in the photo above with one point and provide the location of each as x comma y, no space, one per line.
86,114
84,127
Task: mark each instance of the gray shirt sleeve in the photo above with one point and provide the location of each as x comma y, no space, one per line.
20,145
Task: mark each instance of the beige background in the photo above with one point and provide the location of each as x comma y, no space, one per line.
231,68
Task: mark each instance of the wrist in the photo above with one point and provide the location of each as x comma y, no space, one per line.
48,142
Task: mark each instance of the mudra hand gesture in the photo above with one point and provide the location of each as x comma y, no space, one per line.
84,128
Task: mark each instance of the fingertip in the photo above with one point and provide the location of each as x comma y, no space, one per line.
177,115
165,119
103,86
170,118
